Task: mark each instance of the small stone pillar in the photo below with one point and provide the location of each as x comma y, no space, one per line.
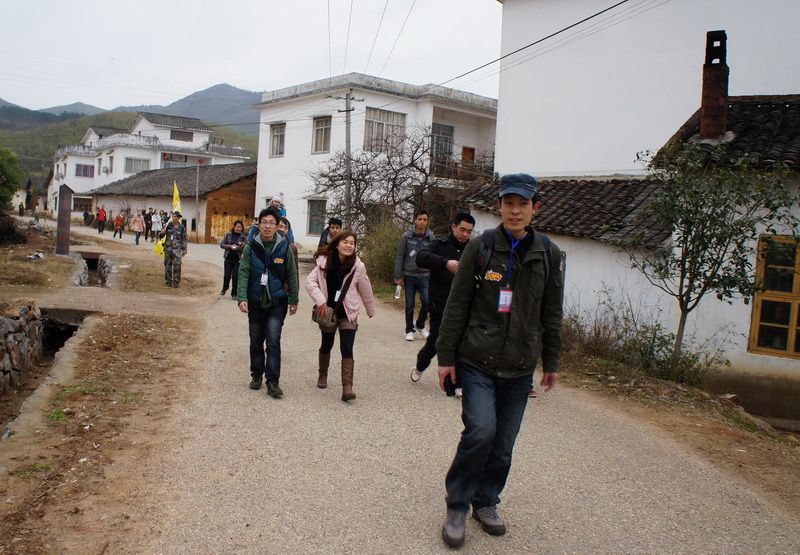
64,216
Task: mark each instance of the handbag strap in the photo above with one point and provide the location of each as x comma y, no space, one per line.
344,289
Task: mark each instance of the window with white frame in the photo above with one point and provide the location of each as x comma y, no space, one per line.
775,326
317,210
322,135
84,170
110,164
136,165
383,129
277,139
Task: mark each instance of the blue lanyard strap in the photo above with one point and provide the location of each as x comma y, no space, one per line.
514,244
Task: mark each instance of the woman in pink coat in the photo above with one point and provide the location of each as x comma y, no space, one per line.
336,263
137,225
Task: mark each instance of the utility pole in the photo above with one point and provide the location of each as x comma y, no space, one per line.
348,107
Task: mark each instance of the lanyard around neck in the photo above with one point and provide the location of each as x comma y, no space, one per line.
514,243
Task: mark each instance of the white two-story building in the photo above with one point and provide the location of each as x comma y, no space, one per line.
304,125
154,141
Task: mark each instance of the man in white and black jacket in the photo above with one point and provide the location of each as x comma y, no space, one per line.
441,257
413,278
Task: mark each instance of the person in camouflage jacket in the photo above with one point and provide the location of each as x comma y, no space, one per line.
174,250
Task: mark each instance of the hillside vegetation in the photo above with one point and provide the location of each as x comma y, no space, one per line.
35,147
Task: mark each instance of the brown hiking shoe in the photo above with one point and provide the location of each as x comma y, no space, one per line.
455,528
490,520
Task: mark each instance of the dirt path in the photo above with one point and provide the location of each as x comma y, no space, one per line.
205,465
310,474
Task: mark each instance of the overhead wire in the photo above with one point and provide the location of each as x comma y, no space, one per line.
398,37
377,34
534,43
330,50
638,9
347,40
594,28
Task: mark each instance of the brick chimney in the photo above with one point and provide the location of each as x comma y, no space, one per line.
714,101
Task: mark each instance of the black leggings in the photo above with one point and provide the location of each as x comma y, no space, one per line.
346,340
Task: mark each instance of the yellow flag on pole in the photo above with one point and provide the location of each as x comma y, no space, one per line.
176,198
159,250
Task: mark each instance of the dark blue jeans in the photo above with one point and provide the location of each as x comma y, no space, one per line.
492,410
266,325
428,351
412,285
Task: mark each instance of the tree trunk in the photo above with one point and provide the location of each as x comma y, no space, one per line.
674,370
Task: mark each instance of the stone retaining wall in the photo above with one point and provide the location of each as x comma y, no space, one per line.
21,330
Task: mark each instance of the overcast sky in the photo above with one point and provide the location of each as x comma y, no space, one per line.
111,53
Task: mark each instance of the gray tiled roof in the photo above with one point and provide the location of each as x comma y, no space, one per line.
601,209
766,128
176,122
158,183
106,131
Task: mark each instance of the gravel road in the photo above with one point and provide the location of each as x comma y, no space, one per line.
244,473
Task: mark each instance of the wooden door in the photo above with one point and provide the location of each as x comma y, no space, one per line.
220,225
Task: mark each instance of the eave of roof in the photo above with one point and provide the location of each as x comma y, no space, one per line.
378,84
179,122
159,183
601,209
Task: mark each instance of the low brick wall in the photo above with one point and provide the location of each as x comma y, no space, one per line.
21,330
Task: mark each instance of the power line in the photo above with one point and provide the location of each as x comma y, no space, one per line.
377,33
398,37
347,40
534,43
612,21
330,54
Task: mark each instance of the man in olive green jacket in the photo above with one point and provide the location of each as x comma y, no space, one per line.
496,326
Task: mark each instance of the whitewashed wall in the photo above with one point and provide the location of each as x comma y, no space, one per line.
289,174
586,106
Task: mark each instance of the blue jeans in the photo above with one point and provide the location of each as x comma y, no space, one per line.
266,325
412,285
138,234
492,410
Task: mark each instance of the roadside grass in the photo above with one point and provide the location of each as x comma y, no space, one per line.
31,469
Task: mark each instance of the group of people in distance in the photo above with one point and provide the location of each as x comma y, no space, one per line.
495,312
148,222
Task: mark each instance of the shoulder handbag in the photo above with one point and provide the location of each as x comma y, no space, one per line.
327,322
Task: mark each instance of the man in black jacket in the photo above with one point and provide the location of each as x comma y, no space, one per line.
441,257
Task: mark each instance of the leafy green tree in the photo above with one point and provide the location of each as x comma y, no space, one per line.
10,177
716,213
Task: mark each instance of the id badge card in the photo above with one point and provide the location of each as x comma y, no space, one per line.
505,300
264,279
336,296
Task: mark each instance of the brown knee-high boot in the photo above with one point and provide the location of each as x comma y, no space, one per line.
324,361
347,379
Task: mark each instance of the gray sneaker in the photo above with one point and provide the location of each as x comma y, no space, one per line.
455,528
490,520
